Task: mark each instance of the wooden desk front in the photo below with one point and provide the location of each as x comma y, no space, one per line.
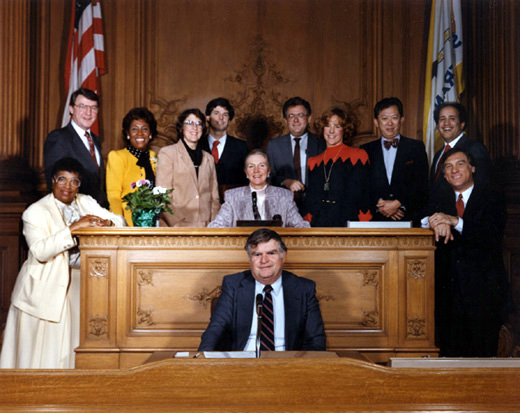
148,290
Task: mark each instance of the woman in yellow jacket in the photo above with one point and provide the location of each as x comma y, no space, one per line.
134,162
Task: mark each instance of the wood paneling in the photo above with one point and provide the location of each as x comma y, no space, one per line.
146,290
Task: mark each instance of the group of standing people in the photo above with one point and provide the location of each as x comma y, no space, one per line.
303,179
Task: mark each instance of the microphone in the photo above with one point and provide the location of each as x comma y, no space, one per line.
259,305
256,214
277,217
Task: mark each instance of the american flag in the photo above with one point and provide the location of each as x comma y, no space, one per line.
85,60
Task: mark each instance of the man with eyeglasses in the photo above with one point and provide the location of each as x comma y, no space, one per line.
288,154
77,141
228,152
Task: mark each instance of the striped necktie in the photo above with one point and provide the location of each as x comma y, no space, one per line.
92,148
267,335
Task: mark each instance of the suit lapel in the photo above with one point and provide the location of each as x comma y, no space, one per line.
245,301
379,162
83,152
188,164
292,304
245,203
400,158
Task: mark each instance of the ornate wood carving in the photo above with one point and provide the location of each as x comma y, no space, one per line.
416,268
371,278
145,277
416,327
205,297
371,318
98,326
97,267
145,318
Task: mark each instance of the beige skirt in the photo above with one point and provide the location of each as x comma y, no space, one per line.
33,343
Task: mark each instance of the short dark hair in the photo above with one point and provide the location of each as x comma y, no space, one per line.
457,106
213,103
453,151
89,94
182,117
264,235
258,152
139,114
295,101
68,164
387,103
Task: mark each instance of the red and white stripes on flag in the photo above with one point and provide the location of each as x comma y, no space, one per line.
85,60
444,77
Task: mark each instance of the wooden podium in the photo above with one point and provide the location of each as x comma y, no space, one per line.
145,290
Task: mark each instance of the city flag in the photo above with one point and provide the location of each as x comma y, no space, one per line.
444,77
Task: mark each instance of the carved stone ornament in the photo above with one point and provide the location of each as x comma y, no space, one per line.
145,318
416,268
97,267
98,326
205,297
416,327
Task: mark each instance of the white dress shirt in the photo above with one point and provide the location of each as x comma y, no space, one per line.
279,317
220,146
81,132
389,158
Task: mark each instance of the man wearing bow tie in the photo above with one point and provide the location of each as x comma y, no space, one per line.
472,294
398,166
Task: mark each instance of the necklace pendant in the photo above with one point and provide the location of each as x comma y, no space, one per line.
326,187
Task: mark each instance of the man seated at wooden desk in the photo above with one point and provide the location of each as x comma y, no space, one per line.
291,317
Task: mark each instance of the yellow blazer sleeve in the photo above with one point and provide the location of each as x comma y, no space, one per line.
116,167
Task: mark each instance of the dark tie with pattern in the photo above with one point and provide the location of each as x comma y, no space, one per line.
459,205
441,160
267,336
214,150
92,148
391,143
297,160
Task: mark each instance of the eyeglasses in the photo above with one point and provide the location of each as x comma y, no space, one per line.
293,116
194,123
62,181
84,108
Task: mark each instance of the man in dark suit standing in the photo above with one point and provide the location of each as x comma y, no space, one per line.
291,317
288,154
472,295
398,166
228,152
450,118
77,141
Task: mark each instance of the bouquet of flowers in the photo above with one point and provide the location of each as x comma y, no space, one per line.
147,201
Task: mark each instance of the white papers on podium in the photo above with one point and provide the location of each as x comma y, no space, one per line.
379,224
229,354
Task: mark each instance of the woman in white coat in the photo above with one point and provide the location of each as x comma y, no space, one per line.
42,327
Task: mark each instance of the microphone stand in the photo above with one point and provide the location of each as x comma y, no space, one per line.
259,305
256,214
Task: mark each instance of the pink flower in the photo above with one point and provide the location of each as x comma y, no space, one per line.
132,185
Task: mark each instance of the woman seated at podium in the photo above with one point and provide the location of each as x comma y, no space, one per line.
134,162
190,171
42,327
258,200
338,178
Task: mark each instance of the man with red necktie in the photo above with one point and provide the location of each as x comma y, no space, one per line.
472,295
398,166
77,141
291,310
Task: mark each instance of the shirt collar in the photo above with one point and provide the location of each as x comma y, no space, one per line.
454,141
79,130
212,139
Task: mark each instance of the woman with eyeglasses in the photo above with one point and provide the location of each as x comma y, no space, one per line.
42,327
134,162
190,171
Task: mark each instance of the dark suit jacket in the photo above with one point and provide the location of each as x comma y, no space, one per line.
482,163
409,177
232,318
470,277
230,167
65,142
281,156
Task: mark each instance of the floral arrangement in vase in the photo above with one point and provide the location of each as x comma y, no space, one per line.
147,203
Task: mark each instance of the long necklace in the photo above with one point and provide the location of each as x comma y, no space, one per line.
326,186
